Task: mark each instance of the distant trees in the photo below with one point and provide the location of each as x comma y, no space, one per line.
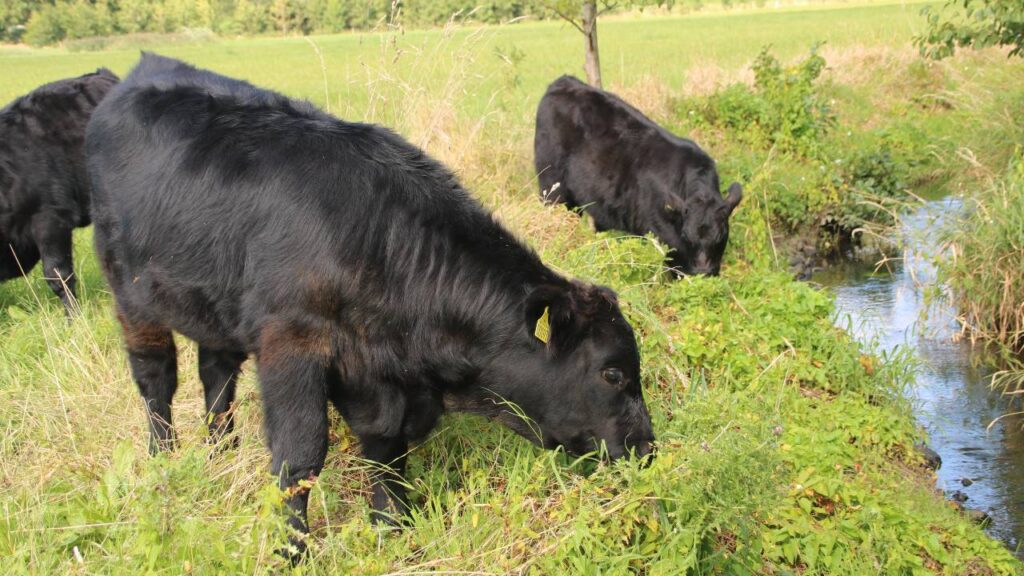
973,23
51,21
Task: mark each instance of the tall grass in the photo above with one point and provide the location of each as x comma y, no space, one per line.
985,268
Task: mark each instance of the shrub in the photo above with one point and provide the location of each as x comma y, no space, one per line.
873,182
784,108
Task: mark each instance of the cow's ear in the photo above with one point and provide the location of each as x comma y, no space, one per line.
549,318
732,200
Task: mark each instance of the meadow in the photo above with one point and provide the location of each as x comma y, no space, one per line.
784,446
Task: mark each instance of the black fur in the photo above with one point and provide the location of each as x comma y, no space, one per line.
594,151
44,192
354,267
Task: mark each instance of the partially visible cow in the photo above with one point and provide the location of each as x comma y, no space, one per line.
44,191
354,267
594,151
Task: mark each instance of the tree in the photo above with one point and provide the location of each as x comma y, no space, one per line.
14,13
582,14
975,24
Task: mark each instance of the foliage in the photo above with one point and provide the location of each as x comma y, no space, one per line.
784,109
873,185
975,24
837,188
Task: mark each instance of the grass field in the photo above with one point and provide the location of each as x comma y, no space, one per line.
668,48
784,447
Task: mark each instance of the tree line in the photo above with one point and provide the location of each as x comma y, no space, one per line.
41,22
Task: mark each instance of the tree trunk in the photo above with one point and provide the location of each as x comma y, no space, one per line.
592,65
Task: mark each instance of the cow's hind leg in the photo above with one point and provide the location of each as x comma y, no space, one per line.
293,376
53,239
154,363
218,370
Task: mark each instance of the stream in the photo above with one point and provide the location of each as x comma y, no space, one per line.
952,398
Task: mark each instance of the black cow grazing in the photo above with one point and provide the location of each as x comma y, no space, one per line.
44,192
354,267
594,151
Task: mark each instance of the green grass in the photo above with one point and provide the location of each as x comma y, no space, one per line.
784,447
664,47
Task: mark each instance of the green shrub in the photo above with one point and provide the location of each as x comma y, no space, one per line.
873,186
784,109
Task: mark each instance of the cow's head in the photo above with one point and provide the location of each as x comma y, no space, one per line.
573,369
700,229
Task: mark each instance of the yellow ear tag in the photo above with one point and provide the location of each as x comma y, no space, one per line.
543,329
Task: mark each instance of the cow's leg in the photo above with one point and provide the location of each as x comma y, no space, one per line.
376,415
389,500
293,382
53,239
218,370
154,363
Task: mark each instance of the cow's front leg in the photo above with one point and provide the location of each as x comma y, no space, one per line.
53,240
293,383
389,501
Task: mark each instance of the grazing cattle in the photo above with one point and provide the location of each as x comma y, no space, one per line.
44,192
594,151
354,267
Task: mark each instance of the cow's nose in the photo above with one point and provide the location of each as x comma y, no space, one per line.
644,448
644,451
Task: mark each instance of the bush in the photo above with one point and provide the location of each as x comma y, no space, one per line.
784,109
873,183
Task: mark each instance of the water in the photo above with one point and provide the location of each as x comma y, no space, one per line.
952,398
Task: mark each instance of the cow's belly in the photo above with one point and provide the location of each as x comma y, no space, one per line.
201,312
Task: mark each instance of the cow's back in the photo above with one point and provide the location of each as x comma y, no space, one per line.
218,200
595,150
205,196
42,164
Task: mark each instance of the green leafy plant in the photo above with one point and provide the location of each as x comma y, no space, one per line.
784,109
974,24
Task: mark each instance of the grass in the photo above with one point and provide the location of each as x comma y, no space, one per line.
784,447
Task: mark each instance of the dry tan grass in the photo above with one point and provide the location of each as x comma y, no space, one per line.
861,64
706,79
650,95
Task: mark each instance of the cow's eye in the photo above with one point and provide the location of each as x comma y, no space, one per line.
612,376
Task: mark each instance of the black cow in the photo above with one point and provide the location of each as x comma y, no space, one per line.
354,267
594,151
44,192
